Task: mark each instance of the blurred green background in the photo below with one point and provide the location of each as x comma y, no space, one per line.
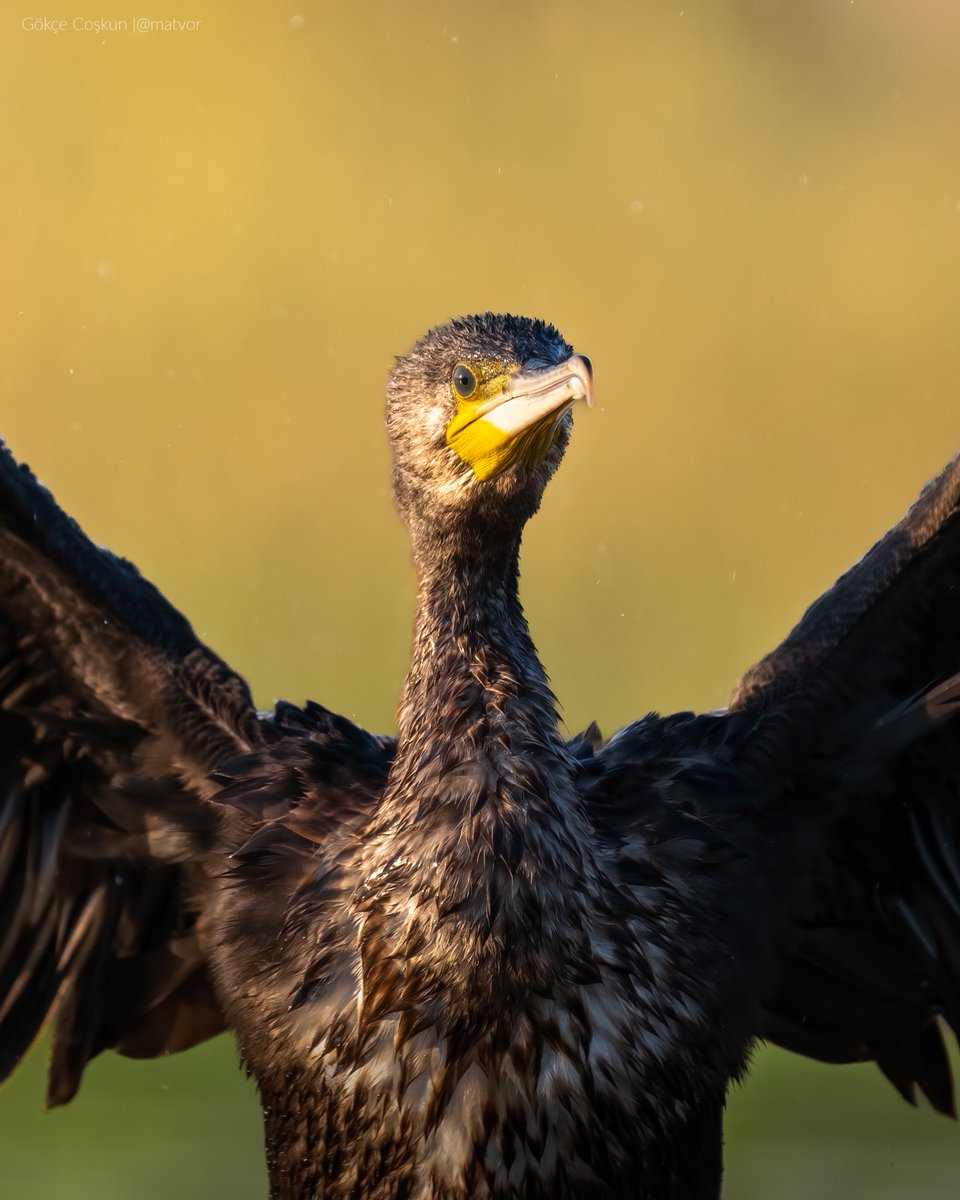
747,212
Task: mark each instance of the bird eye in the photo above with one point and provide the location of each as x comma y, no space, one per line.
464,381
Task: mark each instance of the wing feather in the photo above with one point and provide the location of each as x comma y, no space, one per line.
856,711
112,718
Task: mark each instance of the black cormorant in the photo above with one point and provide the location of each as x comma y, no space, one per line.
477,960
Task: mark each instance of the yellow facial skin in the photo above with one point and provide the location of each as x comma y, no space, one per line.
509,417
483,447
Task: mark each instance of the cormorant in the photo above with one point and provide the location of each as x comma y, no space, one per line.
476,960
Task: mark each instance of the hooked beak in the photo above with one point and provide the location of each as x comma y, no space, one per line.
519,423
530,396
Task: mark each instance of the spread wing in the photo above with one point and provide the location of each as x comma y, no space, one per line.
855,722
112,717
820,811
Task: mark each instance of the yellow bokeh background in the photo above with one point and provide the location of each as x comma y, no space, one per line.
747,212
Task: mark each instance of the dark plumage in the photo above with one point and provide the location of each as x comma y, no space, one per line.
475,960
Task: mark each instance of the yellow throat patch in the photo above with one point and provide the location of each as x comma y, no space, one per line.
478,442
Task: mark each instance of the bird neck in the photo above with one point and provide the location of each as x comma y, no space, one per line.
481,815
474,674
480,760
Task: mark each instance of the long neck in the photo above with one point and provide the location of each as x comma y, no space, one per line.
480,812
473,658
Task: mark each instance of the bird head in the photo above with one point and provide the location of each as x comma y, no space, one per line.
479,417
